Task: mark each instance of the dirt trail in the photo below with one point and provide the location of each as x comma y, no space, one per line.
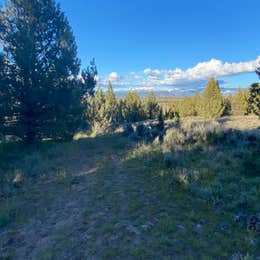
73,225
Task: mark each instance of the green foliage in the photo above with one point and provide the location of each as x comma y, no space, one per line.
186,107
134,108
103,109
151,106
254,99
41,61
197,103
111,106
239,102
228,106
212,100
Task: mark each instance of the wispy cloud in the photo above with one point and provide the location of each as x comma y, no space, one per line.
178,78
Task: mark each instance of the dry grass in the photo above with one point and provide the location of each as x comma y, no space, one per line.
229,122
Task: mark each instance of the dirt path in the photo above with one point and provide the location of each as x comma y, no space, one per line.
78,221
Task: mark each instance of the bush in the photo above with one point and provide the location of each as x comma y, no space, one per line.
190,133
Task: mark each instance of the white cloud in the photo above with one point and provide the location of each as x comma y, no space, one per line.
205,70
150,72
200,73
113,76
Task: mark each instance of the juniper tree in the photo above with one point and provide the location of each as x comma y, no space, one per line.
186,107
240,102
42,54
133,109
212,100
99,106
111,106
151,106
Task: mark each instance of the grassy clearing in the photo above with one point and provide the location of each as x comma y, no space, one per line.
191,196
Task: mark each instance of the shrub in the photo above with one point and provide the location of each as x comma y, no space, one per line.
192,133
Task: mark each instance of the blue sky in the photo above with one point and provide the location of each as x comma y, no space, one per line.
131,36
168,44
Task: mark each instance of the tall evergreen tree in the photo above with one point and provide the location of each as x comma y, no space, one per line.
41,50
212,100
151,106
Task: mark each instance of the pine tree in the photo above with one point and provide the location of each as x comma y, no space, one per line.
254,99
212,100
151,106
134,109
42,56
